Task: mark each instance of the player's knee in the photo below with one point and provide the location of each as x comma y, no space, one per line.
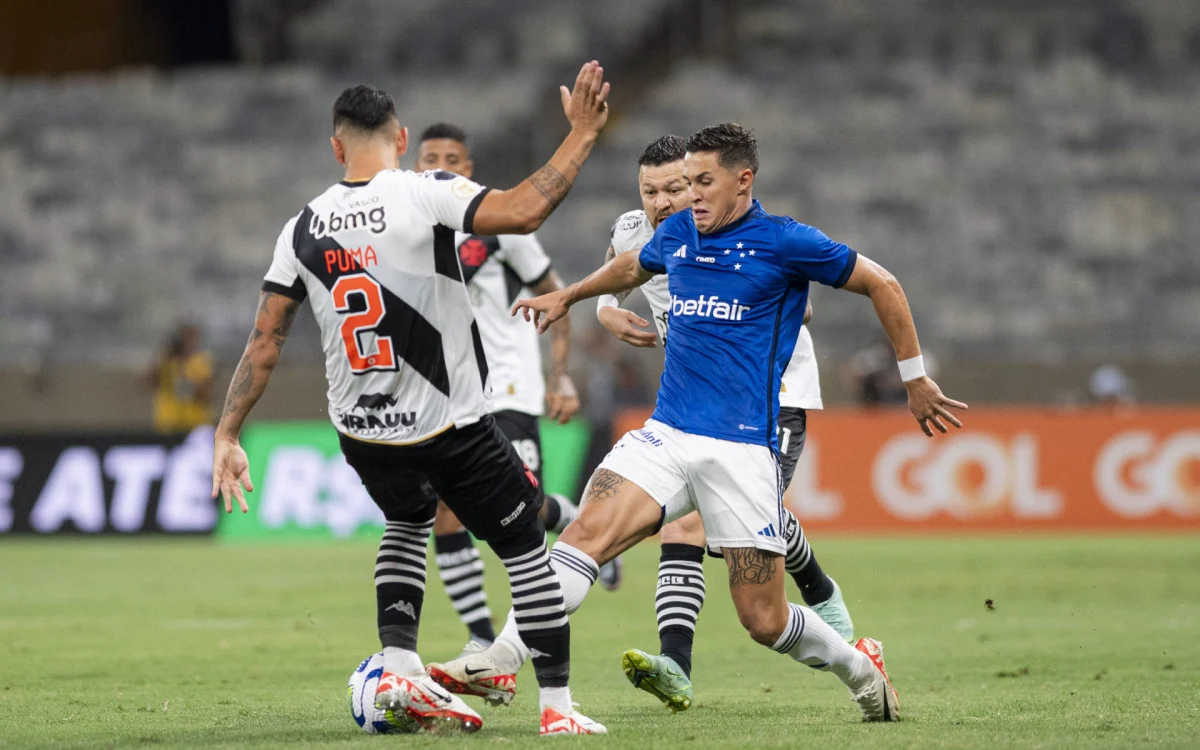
446,522
763,625
519,539
686,530
591,533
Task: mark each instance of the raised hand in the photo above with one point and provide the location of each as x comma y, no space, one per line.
929,405
586,106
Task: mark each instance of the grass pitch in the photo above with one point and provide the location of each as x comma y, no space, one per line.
1092,642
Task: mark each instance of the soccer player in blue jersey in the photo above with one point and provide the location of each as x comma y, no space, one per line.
738,279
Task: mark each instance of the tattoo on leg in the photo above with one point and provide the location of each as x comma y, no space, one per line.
604,485
749,565
551,184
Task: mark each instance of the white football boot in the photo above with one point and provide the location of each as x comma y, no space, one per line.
878,700
425,702
476,674
555,722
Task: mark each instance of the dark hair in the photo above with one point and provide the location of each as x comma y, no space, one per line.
736,146
444,130
665,150
363,108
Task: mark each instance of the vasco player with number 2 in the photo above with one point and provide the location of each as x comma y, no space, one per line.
400,338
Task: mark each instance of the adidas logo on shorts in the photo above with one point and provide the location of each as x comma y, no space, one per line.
768,530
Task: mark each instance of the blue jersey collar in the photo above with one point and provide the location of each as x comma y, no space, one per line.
755,211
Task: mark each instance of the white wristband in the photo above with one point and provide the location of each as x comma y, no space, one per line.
911,369
606,300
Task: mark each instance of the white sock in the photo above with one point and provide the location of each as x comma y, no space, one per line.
556,698
576,573
401,661
808,640
508,650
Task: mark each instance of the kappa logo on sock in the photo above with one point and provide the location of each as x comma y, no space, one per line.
405,607
768,530
538,654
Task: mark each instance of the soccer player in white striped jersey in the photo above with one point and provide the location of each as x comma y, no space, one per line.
374,254
497,270
680,592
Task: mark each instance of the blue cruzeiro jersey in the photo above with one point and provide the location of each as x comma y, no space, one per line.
737,304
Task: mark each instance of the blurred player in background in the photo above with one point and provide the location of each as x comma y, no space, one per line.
680,592
182,381
738,279
499,269
375,256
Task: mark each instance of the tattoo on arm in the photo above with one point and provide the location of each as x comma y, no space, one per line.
750,566
240,385
604,486
285,323
551,184
240,397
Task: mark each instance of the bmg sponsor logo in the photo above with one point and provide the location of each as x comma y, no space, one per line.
374,219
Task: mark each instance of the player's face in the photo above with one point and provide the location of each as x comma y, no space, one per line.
664,190
446,154
717,194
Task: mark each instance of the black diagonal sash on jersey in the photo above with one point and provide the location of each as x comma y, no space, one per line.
414,339
474,251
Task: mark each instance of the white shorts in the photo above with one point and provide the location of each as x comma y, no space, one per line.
735,486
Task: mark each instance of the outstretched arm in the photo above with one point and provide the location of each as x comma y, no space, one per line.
623,324
561,396
272,323
925,398
522,209
622,274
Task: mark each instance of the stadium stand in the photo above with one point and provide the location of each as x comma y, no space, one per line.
1036,196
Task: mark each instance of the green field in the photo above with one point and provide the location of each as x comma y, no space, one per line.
1092,642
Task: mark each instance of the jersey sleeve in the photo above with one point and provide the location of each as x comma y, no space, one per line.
809,255
525,256
283,277
447,199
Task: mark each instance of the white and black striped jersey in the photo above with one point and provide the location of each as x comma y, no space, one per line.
499,270
801,386
377,260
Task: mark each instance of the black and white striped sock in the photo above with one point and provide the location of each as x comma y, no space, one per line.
461,569
677,601
802,565
540,615
400,582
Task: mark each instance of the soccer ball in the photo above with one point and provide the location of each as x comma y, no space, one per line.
360,696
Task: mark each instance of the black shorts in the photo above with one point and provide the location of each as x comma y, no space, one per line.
474,469
523,432
793,427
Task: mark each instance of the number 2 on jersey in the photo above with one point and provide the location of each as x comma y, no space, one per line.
358,323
